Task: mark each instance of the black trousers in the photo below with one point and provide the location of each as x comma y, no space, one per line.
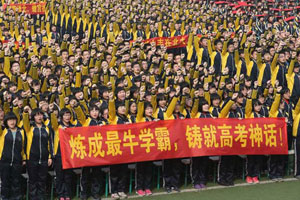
253,165
63,179
144,175
290,136
10,181
37,179
277,163
171,172
297,156
199,168
93,176
226,169
118,177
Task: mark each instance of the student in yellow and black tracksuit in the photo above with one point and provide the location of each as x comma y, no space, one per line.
296,134
12,156
254,162
38,152
63,176
172,167
276,168
144,169
226,163
118,173
199,165
90,175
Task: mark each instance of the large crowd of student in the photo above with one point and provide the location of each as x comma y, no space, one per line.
76,65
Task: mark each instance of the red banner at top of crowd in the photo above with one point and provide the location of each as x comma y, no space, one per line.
115,144
27,8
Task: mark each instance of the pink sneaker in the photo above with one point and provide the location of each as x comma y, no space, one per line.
255,180
148,192
141,193
249,179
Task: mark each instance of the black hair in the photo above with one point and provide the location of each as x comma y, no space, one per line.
214,97
202,102
35,112
9,116
63,112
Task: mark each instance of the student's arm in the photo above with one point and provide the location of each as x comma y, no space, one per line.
26,122
140,111
171,107
80,114
275,105
225,110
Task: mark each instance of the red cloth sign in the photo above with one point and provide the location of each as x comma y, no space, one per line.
30,8
115,144
169,42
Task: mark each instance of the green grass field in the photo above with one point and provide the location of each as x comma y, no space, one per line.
270,191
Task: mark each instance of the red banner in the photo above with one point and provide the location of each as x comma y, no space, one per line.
115,144
30,8
169,42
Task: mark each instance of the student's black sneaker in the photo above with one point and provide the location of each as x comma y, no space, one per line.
224,183
168,190
176,189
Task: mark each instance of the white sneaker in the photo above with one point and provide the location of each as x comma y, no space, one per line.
122,195
115,196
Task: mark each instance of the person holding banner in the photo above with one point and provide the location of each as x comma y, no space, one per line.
199,165
171,167
277,162
90,175
144,169
63,177
38,151
118,173
296,134
226,163
253,110
12,157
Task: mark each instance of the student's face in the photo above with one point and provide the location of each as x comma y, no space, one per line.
261,99
149,112
121,95
257,108
219,46
121,110
11,123
189,102
94,113
287,95
267,57
216,102
234,106
162,103
105,95
133,108
67,117
281,105
38,118
254,55
281,58
230,48
65,55
105,114
205,108
240,100
15,68
177,108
